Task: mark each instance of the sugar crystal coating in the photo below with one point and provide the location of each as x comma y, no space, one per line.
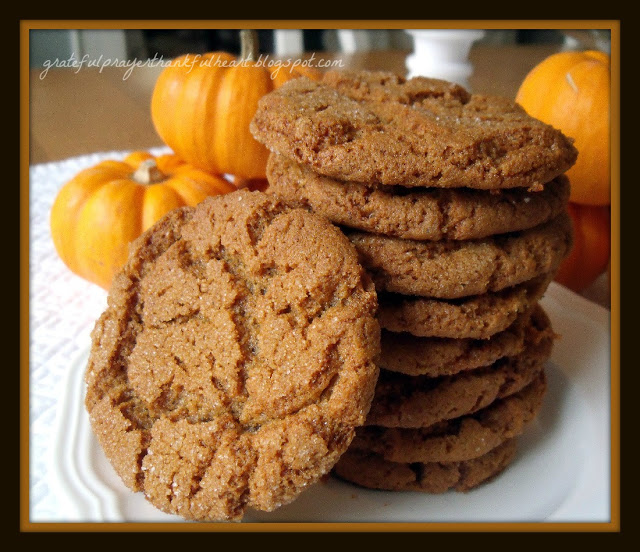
235,358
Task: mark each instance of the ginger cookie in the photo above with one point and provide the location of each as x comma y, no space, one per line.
374,127
421,401
418,214
235,359
372,471
442,356
478,317
455,269
459,439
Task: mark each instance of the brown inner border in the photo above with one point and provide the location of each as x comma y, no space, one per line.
612,526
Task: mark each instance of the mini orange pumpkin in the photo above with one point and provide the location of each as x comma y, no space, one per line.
591,250
572,91
103,208
202,106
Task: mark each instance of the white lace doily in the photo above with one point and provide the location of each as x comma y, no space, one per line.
62,311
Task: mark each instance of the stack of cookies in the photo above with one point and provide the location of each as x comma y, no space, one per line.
456,204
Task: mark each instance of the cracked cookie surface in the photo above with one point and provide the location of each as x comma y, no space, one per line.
418,214
375,127
235,358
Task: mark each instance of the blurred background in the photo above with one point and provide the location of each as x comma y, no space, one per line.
142,44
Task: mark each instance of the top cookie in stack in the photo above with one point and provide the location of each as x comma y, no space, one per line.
380,128
456,203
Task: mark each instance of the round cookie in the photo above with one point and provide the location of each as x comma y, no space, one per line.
374,472
478,317
440,356
235,359
436,356
455,269
418,214
374,127
459,439
421,401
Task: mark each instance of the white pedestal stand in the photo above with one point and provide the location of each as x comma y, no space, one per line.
442,54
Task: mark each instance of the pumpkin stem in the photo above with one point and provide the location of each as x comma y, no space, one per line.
148,173
248,45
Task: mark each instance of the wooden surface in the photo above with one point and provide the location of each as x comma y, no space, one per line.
73,112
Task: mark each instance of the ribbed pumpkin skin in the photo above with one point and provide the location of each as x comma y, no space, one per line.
591,251
102,209
572,91
201,107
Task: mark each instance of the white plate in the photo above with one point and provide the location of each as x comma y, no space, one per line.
561,472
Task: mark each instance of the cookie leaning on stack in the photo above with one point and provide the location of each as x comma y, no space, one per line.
456,204
235,358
